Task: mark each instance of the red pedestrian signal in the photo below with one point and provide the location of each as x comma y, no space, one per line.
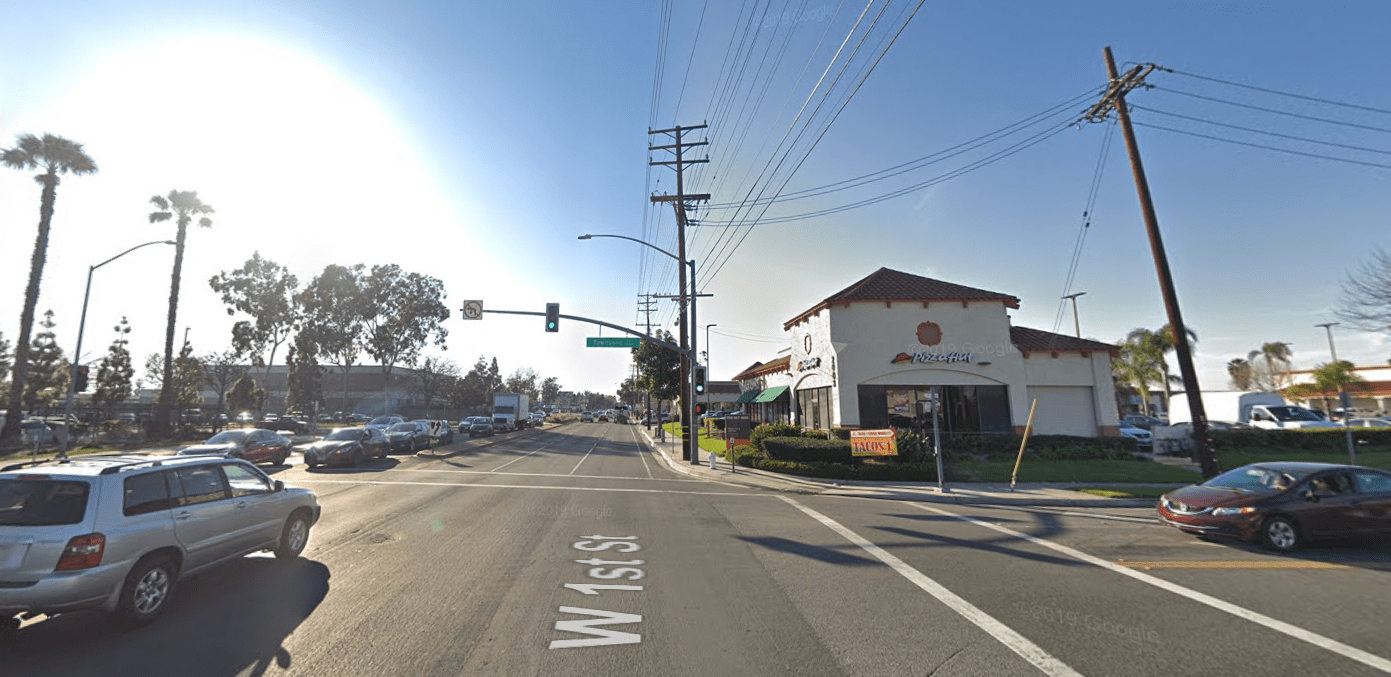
80,385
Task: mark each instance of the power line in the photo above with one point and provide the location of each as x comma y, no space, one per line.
1272,110
1260,131
1257,145
1092,193
1276,91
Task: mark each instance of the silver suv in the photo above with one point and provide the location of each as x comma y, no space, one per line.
117,532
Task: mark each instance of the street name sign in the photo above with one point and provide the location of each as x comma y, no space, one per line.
612,342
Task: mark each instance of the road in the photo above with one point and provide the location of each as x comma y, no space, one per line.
574,550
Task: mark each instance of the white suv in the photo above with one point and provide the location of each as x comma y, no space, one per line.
117,532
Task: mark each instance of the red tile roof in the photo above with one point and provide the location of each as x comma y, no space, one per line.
763,369
1038,341
892,285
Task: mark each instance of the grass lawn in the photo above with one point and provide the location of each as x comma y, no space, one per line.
1235,459
1127,492
706,443
1072,471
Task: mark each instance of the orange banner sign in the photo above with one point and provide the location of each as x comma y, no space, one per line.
873,443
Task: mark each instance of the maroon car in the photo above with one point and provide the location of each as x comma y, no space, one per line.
1283,504
256,445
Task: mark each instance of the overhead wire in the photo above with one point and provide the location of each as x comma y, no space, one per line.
1281,93
1263,146
1092,193
1260,131
1271,110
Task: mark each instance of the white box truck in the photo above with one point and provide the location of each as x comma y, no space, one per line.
509,411
1259,409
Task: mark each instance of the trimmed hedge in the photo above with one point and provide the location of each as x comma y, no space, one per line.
808,450
749,457
1331,440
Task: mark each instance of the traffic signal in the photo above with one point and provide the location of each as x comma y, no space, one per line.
700,380
80,385
552,317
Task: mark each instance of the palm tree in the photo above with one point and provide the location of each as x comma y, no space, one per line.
183,205
54,155
1157,345
1239,369
1273,352
1137,365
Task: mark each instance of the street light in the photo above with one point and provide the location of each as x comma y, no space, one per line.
688,446
77,354
707,367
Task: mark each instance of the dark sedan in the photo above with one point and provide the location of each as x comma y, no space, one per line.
1283,505
480,426
256,445
408,436
349,446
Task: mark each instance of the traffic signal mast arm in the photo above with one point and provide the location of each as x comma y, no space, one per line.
665,344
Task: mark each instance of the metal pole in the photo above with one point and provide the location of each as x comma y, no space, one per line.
1328,326
693,427
937,439
77,354
707,367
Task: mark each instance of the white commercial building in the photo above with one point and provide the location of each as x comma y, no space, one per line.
879,352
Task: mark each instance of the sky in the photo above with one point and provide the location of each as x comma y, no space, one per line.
474,142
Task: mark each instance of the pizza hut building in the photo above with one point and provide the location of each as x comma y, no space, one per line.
885,350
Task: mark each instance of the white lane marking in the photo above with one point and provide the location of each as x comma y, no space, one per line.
537,474
642,458
1364,657
504,465
477,485
1002,633
586,454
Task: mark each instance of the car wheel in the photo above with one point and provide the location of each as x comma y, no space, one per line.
293,537
1281,534
283,458
311,464
147,590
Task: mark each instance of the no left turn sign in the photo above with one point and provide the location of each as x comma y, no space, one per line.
473,310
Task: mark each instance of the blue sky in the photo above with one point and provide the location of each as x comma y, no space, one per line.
475,142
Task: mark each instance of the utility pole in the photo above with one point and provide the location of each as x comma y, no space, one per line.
678,201
1114,98
1328,326
646,306
1076,324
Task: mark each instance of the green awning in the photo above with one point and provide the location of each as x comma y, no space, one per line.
747,396
771,394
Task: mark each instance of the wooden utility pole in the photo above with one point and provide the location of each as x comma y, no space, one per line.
1115,98
689,449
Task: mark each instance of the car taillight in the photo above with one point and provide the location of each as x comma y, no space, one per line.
82,552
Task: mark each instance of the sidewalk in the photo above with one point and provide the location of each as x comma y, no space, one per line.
980,493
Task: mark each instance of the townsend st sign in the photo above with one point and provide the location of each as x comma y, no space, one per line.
927,358
873,443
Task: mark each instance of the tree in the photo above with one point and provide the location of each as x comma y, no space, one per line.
1240,372
434,378
629,392
659,369
403,312
475,390
1332,378
6,359
1275,374
53,155
334,305
305,381
114,372
1367,295
550,390
181,206
185,385
265,290
49,369
246,396
1157,345
524,381
220,371
1137,366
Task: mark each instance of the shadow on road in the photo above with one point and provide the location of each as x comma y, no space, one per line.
230,621
370,465
816,552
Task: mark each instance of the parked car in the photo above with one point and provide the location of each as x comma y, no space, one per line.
586,416
385,422
1143,438
243,418
358,418
351,446
35,431
408,436
296,425
256,445
1368,423
1142,422
120,531
480,426
1283,504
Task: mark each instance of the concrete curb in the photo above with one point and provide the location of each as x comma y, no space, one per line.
763,479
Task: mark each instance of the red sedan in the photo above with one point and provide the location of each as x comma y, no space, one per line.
256,445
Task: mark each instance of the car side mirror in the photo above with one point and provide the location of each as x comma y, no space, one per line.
279,485
1310,496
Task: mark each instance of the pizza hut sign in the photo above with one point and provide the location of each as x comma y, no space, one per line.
928,358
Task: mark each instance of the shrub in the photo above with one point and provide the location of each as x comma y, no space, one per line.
767,430
812,433
808,450
841,433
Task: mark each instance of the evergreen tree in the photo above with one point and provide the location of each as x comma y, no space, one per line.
49,369
114,373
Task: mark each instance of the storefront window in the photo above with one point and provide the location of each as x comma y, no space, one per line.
964,409
814,408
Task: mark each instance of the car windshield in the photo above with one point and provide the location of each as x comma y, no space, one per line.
40,502
345,435
1255,478
404,428
228,437
1293,414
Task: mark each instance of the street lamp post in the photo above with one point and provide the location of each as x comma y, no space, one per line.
689,448
1343,398
707,367
77,354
